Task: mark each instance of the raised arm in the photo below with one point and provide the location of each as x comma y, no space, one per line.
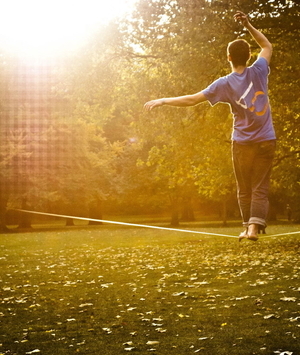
180,101
261,39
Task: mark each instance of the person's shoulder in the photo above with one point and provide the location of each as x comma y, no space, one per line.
223,80
260,66
218,83
260,62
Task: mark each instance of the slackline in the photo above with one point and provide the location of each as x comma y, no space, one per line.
144,225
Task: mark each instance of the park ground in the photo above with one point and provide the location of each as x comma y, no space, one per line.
118,289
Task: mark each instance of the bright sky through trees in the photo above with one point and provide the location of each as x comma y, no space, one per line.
43,28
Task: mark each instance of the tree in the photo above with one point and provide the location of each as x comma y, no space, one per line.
89,86
168,37
170,34
73,134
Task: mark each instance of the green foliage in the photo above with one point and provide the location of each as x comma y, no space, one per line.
183,52
74,134
183,150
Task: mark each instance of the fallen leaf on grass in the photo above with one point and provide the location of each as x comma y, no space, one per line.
271,316
129,343
91,282
152,342
107,330
133,333
178,294
131,309
294,319
106,285
183,315
7,289
85,305
258,302
156,324
161,330
82,343
159,319
239,298
288,299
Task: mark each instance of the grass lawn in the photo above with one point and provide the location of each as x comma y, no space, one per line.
113,290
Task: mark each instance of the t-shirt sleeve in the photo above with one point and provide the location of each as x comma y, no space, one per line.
216,92
262,66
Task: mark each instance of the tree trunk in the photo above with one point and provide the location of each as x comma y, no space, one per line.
96,213
272,214
175,212
187,210
69,222
3,227
224,213
25,218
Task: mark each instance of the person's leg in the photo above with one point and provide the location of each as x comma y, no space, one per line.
243,157
261,173
260,180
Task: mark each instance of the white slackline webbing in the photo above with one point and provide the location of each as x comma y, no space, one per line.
143,225
281,234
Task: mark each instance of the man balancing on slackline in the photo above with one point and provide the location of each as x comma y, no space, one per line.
245,89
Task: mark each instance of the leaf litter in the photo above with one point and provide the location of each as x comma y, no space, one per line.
136,291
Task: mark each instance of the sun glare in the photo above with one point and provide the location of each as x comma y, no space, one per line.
43,28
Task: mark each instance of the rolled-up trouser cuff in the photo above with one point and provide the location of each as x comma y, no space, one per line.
255,220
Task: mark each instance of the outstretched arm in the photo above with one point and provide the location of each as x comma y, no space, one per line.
261,39
180,101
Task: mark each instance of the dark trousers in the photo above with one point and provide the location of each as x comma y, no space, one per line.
252,165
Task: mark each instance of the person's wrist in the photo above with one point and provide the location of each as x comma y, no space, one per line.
163,102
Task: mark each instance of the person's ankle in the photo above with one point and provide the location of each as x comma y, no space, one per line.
253,231
253,228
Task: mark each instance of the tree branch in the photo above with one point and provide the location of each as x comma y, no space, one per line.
278,160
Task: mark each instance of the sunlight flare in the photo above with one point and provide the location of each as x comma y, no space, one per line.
53,28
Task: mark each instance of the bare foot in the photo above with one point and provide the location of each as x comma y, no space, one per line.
243,235
253,232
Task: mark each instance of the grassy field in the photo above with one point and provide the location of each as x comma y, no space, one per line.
113,290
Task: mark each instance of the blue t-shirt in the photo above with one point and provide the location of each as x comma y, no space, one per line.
247,94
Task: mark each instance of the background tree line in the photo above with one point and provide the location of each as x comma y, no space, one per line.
74,138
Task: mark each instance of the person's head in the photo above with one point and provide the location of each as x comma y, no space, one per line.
238,52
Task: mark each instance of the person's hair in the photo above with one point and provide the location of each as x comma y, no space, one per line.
239,51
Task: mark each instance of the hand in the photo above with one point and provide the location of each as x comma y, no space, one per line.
152,104
241,18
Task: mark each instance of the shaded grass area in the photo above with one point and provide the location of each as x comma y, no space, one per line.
113,290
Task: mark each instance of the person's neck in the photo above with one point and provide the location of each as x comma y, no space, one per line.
239,69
